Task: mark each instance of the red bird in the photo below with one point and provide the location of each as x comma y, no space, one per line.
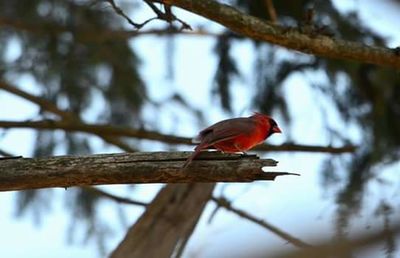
235,135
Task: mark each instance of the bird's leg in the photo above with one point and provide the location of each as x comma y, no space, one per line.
239,149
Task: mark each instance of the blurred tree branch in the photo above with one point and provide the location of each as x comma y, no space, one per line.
99,36
169,220
220,202
166,15
65,116
330,248
223,202
109,130
291,38
126,17
71,122
114,197
271,11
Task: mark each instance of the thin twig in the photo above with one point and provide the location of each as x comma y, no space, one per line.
114,197
41,102
167,16
126,17
223,202
271,11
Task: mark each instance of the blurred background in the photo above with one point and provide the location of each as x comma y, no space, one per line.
90,62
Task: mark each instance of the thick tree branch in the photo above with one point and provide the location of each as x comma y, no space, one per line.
167,222
223,202
41,102
128,168
155,136
290,38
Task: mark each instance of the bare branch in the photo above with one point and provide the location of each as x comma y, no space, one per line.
166,16
271,11
129,168
41,102
89,35
126,17
5,154
65,115
306,148
290,38
220,202
330,248
223,202
105,129
114,197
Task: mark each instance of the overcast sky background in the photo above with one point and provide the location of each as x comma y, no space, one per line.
297,205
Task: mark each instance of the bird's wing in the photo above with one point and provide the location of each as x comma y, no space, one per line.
226,130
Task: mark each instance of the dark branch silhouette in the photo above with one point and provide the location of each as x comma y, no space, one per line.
223,202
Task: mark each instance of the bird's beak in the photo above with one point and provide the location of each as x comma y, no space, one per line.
276,129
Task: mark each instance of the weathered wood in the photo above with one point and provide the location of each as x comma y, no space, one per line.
126,168
167,223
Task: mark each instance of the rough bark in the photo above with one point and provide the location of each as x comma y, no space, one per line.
291,38
127,168
167,223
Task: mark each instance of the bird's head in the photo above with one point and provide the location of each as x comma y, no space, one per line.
268,121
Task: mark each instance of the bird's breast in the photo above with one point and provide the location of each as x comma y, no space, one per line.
242,142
